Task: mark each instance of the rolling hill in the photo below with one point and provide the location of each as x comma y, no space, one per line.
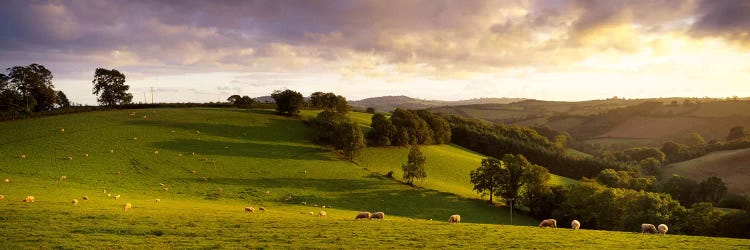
389,103
732,166
205,165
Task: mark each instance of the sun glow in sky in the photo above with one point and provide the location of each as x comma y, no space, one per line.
203,51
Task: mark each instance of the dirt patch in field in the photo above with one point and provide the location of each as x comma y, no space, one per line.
732,166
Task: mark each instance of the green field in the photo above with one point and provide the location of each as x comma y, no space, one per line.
729,165
215,162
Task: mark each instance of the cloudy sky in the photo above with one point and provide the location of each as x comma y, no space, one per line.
431,49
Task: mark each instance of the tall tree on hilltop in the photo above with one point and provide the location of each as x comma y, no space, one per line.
34,83
111,85
288,101
62,100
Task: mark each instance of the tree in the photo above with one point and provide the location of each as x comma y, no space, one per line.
370,110
486,178
10,99
512,175
737,133
241,101
234,98
712,189
288,101
329,101
382,130
694,139
439,127
62,100
673,151
535,188
641,153
681,188
415,129
111,88
34,83
350,139
415,166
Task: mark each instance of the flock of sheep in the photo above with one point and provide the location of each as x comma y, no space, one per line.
552,223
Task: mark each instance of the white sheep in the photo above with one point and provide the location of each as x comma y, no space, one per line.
321,214
455,219
28,199
111,151
166,189
3,197
575,224
363,215
663,228
6,180
157,201
85,155
250,209
62,130
70,158
128,206
22,156
75,202
62,178
310,213
117,197
156,152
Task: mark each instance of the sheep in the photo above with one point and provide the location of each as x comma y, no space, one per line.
104,191
111,151
145,117
205,178
3,197
321,214
135,138
156,152
157,200
303,203
575,224
250,209
173,131
662,228
6,180
62,130
85,198
162,184
117,197
192,171
62,178
132,113
262,208
650,228
363,215
455,219
85,155
197,131
109,195
549,223
166,189
310,213
75,202
378,216
22,156
28,199
70,158
128,206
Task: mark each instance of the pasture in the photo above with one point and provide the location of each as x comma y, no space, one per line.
205,165
730,165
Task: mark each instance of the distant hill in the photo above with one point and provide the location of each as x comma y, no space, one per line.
732,166
389,103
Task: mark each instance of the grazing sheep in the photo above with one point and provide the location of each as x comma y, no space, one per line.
70,158
262,208
156,152
166,189
135,138
28,199
62,130
310,213
197,131
321,214
128,206
250,209
109,195
104,191
192,171
303,203
162,184
117,197
268,192
157,201
6,180
549,223
85,198
75,202
111,151
22,156
132,113
205,178
62,178
363,215
650,228
663,228
455,219
145,117
575,224
85,155
3,197
378,216
173,131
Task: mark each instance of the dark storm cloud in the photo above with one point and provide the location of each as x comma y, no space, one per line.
724,18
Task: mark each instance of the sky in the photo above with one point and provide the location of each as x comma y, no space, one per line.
567,50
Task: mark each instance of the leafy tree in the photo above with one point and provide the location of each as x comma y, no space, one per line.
234,98
417,131
681,188
415,166
641,153
487,177
241,101
512,175
382,130
535,188
737,133
673,151
329,101
650,167
10,99
111,88
440,129
370,110
326,125
350,139
625,179
62,100
712,189
694,139
34,83
288,101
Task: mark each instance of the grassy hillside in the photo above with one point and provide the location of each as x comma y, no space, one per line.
732,166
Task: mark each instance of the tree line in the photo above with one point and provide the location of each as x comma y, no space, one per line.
408,127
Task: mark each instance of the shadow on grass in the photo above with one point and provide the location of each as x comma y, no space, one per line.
245,149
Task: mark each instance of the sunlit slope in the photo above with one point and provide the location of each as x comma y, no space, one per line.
217,155
732,166
448,167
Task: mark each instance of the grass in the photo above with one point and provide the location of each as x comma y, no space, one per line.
248,158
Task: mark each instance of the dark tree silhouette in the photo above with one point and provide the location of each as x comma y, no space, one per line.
111,88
